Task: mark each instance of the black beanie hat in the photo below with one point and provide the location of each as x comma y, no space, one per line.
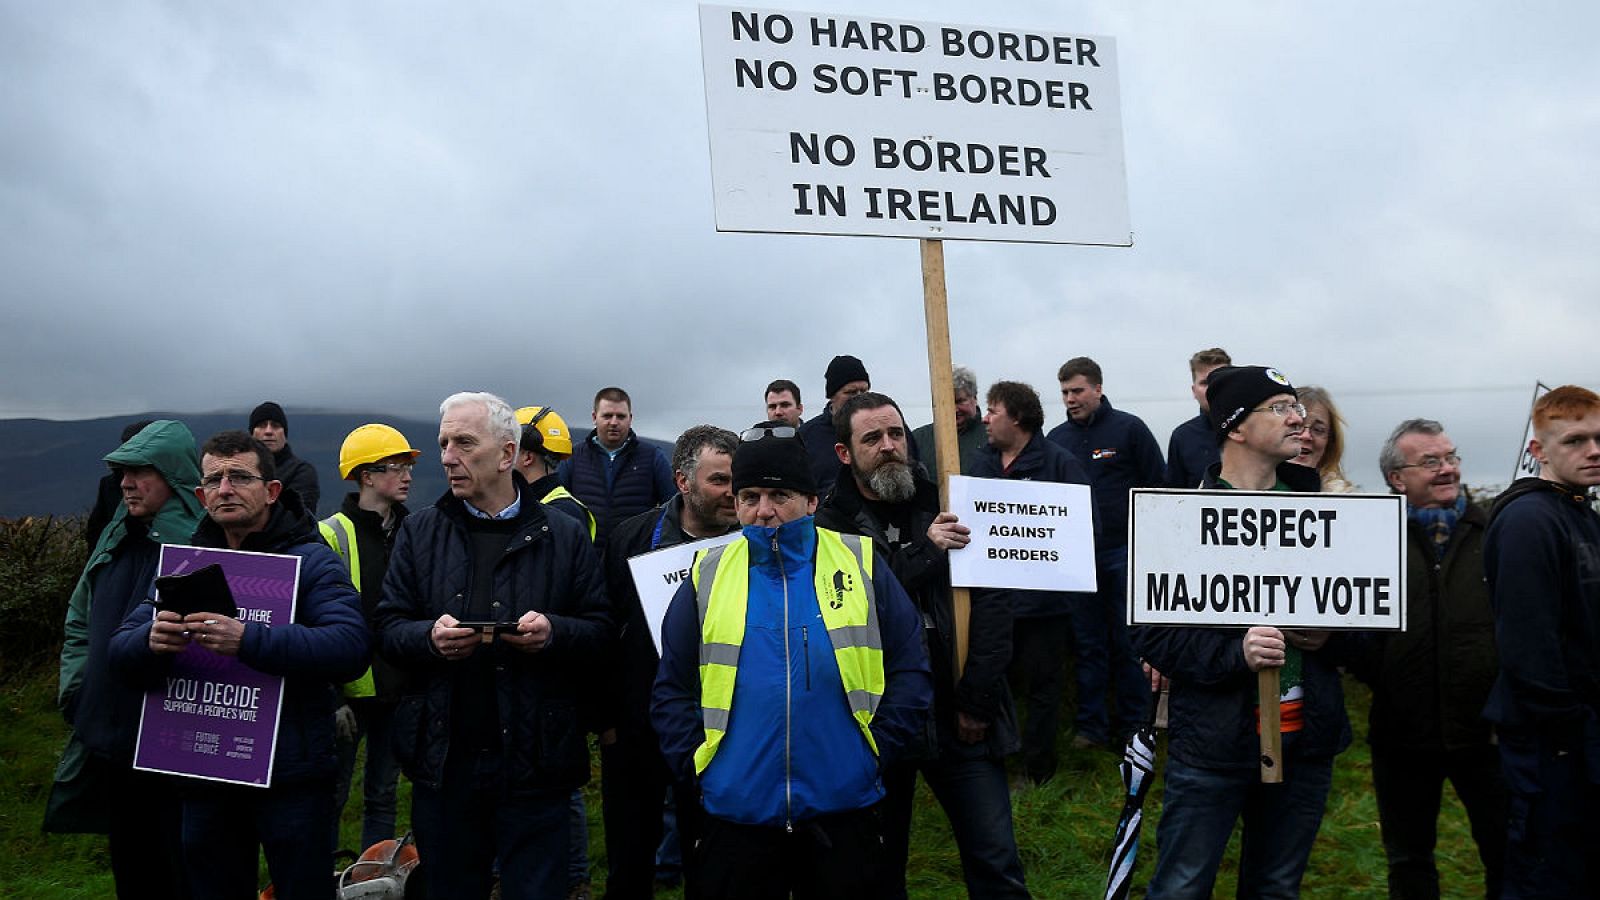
268,412
1233,391
770,461
842,371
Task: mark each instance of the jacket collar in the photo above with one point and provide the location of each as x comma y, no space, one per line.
288,525
796,543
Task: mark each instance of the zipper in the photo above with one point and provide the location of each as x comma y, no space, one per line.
788,698
805,651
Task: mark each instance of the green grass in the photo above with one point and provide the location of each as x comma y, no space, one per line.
1064,827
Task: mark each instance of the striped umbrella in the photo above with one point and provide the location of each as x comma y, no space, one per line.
1138,773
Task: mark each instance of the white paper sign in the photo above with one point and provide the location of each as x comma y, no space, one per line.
830,124
1266,558
658,574
1036,535
1527,466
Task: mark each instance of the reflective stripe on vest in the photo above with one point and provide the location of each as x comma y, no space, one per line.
842,579
339,533
561,493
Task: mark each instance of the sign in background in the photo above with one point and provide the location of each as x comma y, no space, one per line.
1527,466
1243,558
215,717
1035,535
658,574
829,124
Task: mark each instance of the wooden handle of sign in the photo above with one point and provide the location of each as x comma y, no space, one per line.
935,308
1271,728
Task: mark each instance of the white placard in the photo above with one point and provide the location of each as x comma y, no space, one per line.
1527,466
658,574
1036,535
831,124
1266,558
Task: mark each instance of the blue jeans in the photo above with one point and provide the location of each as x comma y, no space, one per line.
971,786
1106,660
470,824
379,804
578,851
225,826
1199,809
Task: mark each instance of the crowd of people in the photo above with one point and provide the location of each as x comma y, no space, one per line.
764,737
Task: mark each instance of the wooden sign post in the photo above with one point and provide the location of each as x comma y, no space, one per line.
941,380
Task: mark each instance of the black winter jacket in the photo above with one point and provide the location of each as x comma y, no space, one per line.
327,644
1542,557
1213,697
1191,450
642,479
1430,681
548,566
924,571
1118,453
299,476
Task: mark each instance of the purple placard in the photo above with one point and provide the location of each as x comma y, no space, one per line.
215,717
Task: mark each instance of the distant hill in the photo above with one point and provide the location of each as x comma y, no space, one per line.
51,467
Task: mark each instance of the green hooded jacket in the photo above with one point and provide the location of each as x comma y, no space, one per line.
168,446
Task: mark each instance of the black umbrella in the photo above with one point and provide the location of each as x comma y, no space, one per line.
1138,773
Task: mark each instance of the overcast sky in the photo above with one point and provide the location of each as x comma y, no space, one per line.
369,206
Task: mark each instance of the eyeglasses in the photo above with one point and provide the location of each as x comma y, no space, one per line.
1282,408
1320,430
379,468
759,432
1434,463
237,479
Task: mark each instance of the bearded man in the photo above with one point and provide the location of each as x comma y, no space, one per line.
878,494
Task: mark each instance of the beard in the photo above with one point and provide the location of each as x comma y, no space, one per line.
892,482
706,510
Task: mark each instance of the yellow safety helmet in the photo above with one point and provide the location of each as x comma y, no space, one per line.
370,443
553,428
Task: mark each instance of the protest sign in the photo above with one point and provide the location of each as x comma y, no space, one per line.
658,574
1036,535
213,717
1527,466
831,124
1243,558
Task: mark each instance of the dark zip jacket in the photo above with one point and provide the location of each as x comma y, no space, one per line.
373,546
1542,558
614,489
299,476
548,565
326,644
1429,682
1213,698
1191,450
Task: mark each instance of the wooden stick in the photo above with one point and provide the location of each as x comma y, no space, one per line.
946,449
1271,727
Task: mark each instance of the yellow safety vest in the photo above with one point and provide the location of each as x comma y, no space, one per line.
339,533
843,581
561,493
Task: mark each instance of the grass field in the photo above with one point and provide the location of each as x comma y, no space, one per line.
1064,827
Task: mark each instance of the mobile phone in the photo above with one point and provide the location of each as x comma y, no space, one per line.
488,630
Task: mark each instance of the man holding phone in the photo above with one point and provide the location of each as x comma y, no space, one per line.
495,610
225,826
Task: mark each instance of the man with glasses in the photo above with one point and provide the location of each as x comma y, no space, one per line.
225,826
378,459
495,611
792,672
1212,777
1542,558
1193,445
1429,682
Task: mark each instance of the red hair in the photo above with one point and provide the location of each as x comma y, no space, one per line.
1567,402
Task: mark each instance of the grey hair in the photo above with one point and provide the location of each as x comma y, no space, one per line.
1389,458
686,452
966,382
503,425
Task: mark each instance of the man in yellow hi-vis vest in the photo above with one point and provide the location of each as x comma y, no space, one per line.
792,670
377,460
